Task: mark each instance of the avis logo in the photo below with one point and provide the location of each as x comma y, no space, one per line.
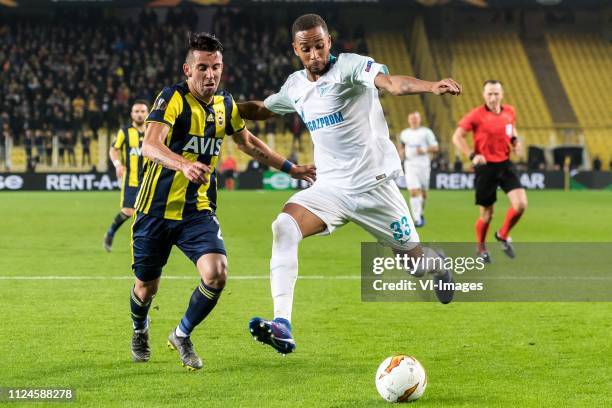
203,145
135,151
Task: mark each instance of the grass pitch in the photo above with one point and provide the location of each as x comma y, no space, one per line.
69,324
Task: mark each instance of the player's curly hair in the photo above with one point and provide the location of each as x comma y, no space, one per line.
306,22
201,41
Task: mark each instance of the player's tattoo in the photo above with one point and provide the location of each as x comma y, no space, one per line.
260,153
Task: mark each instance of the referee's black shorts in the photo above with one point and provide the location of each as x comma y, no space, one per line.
491,175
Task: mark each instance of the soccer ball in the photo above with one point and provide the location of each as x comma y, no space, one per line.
401,379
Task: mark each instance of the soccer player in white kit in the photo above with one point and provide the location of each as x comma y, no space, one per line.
416,143
356,162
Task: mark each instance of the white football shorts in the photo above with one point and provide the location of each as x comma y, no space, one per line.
417,177
382,211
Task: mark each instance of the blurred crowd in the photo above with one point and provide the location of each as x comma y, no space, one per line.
72,74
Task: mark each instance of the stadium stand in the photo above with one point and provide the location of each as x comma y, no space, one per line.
479,56
66,88
390,48
75,74
584,63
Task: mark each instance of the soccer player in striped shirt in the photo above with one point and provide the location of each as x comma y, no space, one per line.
177,200
126,157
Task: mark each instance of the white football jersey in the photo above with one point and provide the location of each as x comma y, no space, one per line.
352,149
411,139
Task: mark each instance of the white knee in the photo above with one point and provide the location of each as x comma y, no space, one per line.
286,232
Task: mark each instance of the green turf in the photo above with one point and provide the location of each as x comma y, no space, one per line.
76,333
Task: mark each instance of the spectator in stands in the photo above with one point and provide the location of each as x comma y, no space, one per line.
78,115
39,142
28,143
5,142
48,143
69,146
458,165
85,146
596,164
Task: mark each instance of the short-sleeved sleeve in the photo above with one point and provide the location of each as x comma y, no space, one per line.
280,102
468,122
119,139
403,137
167,107
431,138
513,114
360,70
236,122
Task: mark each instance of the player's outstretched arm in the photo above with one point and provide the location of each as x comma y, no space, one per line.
154,149
254,110
399,85
256,148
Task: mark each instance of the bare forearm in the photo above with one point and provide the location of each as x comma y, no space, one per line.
406,85
460,142
260,151
114,155
254,110
161,154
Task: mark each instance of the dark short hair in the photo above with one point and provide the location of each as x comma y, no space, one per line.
201,41
141,102
492,82
306,22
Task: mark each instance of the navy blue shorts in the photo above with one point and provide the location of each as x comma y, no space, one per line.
128,197
153,237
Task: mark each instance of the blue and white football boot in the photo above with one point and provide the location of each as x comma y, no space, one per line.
275,333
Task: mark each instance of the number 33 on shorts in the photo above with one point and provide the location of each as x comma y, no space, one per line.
401,229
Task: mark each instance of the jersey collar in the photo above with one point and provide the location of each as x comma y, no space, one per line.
501,109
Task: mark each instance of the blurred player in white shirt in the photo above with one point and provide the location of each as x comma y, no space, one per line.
356,163
416,143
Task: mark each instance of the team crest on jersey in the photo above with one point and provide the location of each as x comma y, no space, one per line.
323,90
220,119
160,104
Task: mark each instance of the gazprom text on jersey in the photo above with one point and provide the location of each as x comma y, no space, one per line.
325,121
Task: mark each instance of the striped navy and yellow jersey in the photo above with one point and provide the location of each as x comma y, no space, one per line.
196,132
129,141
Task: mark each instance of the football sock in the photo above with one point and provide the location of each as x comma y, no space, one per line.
416,203
120,218
180,333
284,264
481,234
512,217
140,310
203,301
